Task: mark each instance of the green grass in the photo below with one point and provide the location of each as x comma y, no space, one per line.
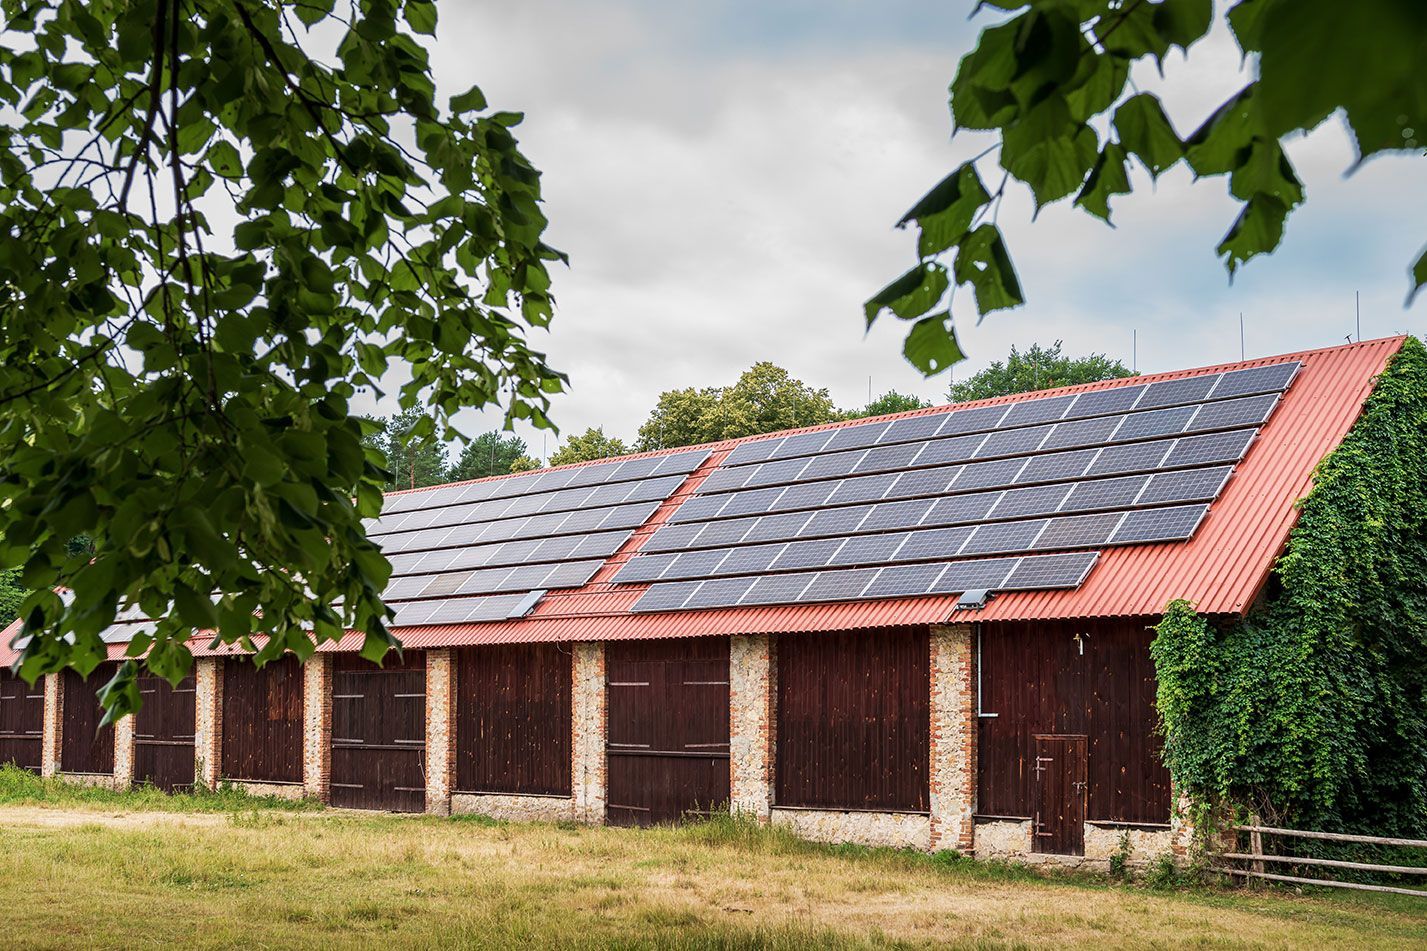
22,787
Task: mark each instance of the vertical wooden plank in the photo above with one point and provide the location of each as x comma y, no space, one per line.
513,719
85,747
262,720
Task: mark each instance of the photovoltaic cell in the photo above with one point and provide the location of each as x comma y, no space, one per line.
757,451
935,543
1160,525
643,568
1163,422
1037,500
973,575
1038,411
1206,450
975,420
1189,485
1056,466
1190,389
1013,442
862,489
1078,531
868,550
1104,494
1249,411
1140,457
855,437
719,592
887,458
1051,571
999,537
1269,379
775,527
1119,399
896,581
807,554
985,475
1081,432
913,429
777,589
838,585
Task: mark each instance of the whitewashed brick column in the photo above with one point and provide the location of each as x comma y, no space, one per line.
53,725
953,738
440,731
124,752
317,727
751,726
588,772
208,720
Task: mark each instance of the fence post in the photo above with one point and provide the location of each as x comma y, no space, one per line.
1256,847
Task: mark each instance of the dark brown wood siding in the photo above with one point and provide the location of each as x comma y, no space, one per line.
854,728
262,720
85,746
1035,680
22,720
512,720
668,729
379,733
163,733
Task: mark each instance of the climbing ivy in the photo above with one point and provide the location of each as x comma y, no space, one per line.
1313,709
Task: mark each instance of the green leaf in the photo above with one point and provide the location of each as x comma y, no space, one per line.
945,212
1049,151
224,161
420,15
911,295
1216,147
1418,275
1182,22
983,261
1107,179
1246,20
1145,132
1257,230
1266,170
1098,83
931,344
472,100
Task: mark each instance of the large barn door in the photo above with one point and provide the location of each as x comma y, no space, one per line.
22,720
85,746
164,731
379,733
668,729
1059,823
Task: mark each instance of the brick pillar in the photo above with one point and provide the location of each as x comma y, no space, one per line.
124,752
53,725
751,724
588,773
317,727
440,731
953,738
208,720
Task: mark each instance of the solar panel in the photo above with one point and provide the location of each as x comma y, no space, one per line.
1057,466
1140,457
1206,450
722,533
985,475
777,589
934,543
1190,389
1249,411
924,482
695,564
1190,485
896,581
757,451
1269,379
999,537
811,495
1160,525
838,585
961,508
772,527
699,507
1078,531
973,575
1163,422
1037,500
835,521
644,568
862,489
868,550
1029,412
666,597
774,473
1081,432
913,429
721,480
748,561
806,554
891,516
751,503
887,458
802,444
1051,571
943,451
855,437
975,420
1104,494
1013,442
719,592
1103,402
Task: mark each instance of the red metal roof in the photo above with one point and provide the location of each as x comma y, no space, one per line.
1222,569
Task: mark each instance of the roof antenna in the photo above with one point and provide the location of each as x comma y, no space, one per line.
869,389
1358,313
1134,350
1241,335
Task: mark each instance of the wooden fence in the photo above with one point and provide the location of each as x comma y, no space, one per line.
1257,860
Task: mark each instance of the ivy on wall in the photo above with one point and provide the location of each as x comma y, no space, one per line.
1313,709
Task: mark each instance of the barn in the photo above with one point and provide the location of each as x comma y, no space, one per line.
927,630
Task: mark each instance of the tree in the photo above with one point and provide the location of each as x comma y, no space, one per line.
889,402
210,241
487,455
765,399
524,464
1052,84
414,456
12,595
591,445
1037,368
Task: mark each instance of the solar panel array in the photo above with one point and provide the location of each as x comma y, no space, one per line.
1013,496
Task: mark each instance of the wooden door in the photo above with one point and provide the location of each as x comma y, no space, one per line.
262,720
85,746
379,733
22,720
1060,771
164,731
668,729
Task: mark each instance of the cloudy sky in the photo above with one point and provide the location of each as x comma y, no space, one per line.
725,177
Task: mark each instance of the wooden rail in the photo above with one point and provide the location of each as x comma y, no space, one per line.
1256,857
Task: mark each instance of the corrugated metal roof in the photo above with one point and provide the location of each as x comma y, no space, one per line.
1222,569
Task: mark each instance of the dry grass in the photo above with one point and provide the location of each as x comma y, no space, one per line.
104,877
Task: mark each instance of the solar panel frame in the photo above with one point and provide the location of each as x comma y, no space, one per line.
1150,526
1049,572
1273,378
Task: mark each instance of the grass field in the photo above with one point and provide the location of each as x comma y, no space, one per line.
129,870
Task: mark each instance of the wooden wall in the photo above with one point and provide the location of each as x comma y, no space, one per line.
853,720
1036,680
512,719
85,747
22,720
668,742
164,733
262,720
379,732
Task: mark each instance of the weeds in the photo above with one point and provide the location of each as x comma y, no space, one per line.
22,788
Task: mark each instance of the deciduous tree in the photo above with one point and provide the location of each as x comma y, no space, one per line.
765,399
590,445
1036,368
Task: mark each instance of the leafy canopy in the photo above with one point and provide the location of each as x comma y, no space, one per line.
1051,83
413,455
1036,368
889,402
590,445
488,454
765,399
1311,711
215,230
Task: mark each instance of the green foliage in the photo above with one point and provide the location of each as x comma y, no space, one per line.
1050,82
20,787
889,402
1036,368
524,464
1313,710
765,399
219,221
592,444
414,456
12,595
488,454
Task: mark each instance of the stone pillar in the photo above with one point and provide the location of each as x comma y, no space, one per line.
588,766
50,738
208,720
751,724
953,738
124,752
440,731
317,727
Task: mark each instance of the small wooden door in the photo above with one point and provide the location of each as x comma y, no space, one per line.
164,733
379,733
668,729
1060,771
